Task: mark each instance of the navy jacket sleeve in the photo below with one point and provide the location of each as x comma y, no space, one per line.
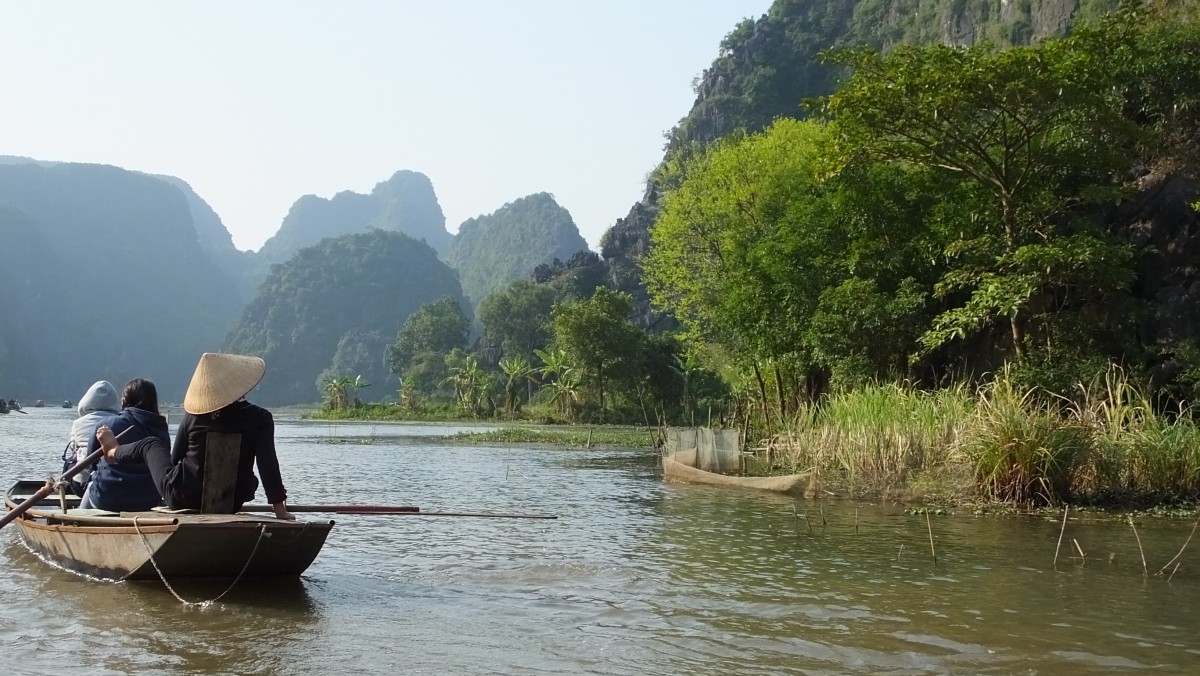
116,423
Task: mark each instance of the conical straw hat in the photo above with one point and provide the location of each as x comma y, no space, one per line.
221,379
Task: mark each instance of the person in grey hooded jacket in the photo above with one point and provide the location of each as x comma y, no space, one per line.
99,402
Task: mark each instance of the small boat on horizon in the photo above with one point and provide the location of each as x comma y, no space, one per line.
152,545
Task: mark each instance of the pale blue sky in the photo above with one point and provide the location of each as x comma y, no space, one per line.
256,103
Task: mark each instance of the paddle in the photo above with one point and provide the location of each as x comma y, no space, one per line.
49,487
389,510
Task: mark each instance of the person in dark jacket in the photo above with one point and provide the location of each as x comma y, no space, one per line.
128,487
214,403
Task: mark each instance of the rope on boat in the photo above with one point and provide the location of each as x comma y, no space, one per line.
262,533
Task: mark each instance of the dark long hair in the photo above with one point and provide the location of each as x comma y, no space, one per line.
140,393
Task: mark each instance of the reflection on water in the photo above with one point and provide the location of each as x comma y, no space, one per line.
636,577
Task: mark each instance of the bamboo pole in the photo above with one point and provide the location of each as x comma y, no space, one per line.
1145,571
929,525
1185,544
388,510
1060,534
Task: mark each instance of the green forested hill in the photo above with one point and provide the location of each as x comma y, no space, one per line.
104,277
338,303
492,250
767,67
404,203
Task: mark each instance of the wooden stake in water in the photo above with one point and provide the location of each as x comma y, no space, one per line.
1145,571
856,521
1185,544
930,527
1060,534
1080,550
1173,572
900,553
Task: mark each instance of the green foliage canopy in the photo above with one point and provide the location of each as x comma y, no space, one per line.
598,336
1033,133
437,327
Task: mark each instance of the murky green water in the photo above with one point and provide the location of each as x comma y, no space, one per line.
636,577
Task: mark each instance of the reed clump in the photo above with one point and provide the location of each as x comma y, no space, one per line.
1105,442
878,437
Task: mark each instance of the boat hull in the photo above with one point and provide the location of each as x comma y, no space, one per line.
127,546
677,470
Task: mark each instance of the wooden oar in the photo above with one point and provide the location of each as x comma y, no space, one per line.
49,487
388,510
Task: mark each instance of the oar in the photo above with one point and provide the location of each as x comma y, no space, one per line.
49,487
19,410
389,510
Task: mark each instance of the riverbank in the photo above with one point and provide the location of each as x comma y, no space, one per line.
1105,444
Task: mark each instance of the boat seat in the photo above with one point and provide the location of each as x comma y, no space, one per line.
222,453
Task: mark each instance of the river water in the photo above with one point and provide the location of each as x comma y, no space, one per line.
635,577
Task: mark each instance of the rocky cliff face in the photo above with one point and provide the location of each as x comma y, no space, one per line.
404,203
1165,227
108,278
215,240
492,250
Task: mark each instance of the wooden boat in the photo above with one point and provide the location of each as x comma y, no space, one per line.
679,467
128,545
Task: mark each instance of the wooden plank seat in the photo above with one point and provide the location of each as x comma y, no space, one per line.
222,453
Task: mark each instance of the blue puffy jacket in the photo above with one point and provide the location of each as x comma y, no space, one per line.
127,487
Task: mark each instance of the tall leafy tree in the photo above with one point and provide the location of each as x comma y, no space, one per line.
1032,133
518,317
437,327
758,231
599,336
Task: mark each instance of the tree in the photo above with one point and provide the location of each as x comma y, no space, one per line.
438,327
518,317
1031,133
516,370
761,227
598,335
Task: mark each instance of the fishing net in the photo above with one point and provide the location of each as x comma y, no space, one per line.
708,449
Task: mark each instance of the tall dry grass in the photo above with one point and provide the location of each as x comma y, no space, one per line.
1104,442
878,436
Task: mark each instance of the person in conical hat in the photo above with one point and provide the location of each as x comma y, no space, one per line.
215,402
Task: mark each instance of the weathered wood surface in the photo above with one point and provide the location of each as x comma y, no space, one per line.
109,545
222,452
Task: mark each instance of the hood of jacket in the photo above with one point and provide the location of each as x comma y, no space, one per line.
100,397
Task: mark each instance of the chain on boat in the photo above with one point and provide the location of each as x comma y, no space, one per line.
262,533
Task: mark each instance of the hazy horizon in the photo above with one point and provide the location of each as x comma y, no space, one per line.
258,104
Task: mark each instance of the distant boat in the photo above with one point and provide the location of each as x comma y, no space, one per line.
39,404
149,545
66,404
14,405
